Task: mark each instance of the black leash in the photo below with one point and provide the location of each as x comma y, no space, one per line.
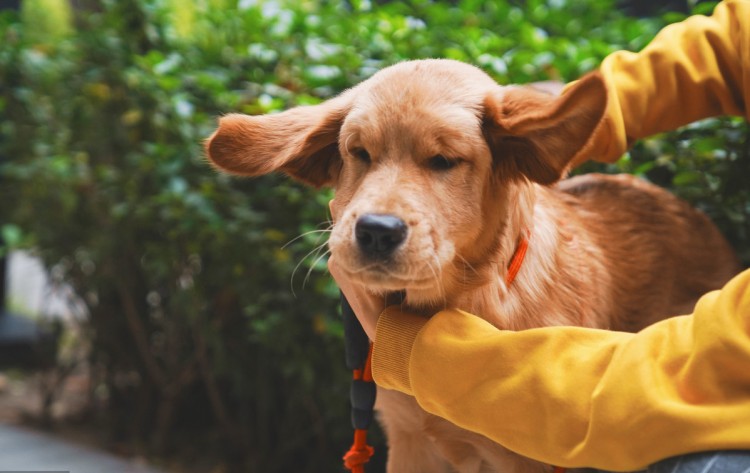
358,351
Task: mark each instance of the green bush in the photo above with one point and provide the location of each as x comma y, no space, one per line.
209,335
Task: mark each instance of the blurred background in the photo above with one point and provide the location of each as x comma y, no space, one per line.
166,312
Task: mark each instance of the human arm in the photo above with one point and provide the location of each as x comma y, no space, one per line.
694,69
574,396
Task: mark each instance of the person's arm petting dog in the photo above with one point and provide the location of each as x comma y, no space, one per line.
584,397
573,396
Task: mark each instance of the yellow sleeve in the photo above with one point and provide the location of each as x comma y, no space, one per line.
578,397
695,69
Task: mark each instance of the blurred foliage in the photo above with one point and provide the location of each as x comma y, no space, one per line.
202,330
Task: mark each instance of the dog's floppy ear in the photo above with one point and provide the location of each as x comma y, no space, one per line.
540,134
301,142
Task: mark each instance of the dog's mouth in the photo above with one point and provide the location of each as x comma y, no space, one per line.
383,278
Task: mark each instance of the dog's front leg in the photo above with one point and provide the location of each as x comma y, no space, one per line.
410,450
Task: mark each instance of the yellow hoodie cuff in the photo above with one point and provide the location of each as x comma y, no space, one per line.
395,335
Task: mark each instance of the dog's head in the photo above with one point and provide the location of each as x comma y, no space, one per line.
426,158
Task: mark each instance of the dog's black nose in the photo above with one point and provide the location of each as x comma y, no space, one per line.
378,236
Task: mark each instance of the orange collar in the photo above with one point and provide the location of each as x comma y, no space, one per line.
517,259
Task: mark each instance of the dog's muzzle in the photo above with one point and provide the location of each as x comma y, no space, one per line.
379,235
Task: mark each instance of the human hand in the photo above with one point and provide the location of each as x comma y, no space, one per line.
366,306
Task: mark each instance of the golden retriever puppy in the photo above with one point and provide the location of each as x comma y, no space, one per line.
442,176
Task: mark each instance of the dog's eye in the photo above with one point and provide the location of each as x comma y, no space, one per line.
362,155
441,163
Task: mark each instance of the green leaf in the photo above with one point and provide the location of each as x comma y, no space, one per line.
12,235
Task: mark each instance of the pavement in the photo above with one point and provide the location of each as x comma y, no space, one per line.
25,450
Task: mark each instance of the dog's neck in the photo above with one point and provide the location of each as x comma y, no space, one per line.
480,270
535,278
552,281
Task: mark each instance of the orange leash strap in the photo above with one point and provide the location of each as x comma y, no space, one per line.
359,453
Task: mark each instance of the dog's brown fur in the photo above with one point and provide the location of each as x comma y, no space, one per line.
611,252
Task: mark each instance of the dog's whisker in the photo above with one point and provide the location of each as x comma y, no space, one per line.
467,264
311,232
312,266
438,279
464,267
314,251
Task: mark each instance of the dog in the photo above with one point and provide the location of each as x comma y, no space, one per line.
442,176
